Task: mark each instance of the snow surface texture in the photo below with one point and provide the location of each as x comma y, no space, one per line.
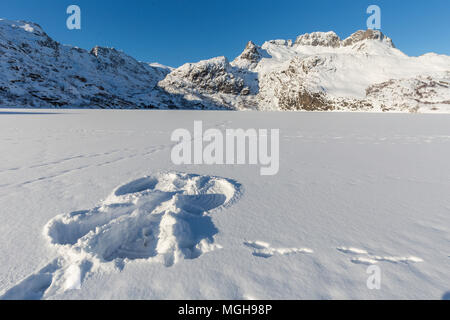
353,190
159,218
317,71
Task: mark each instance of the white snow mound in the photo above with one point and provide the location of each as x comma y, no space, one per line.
162,218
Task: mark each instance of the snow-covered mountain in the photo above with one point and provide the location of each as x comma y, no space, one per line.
317,71
37,71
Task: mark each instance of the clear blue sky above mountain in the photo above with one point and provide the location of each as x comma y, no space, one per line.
176,31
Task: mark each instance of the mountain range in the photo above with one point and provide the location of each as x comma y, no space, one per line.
318,71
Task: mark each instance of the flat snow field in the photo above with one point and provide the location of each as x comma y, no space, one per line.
353,190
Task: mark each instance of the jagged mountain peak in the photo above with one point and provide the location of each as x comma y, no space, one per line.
319,39
369,34
250,52
331,39
250,57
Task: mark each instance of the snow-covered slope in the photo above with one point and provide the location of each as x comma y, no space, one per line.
331,75
37,71
211,84
317,71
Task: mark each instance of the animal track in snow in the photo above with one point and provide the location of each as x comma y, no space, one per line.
368,259
161,218
352,250
264,250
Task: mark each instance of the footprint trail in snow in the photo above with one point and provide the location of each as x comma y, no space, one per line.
361,256
264,250
162,218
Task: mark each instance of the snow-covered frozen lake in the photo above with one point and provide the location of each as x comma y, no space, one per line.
353,190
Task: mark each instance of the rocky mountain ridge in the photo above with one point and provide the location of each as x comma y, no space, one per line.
316,72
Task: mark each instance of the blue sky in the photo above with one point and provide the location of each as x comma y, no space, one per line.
176,31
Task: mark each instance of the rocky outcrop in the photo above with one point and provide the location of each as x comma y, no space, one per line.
362,35
210,76
290,89
332,40
410,94
212,83
250,57
319,39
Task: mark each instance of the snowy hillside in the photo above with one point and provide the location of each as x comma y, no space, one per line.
317,71
37,71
